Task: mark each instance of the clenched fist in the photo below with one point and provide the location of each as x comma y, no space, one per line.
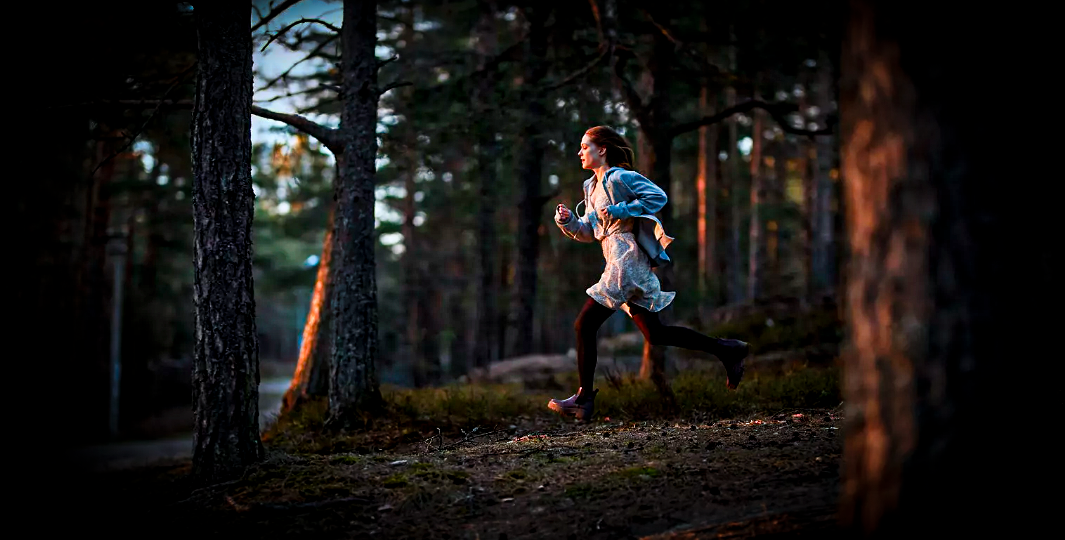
562,214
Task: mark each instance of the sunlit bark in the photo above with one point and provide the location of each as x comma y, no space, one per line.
311,378
706,189
932,287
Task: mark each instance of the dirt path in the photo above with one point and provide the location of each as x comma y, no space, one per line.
773,474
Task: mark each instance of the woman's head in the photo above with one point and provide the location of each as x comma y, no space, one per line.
604,146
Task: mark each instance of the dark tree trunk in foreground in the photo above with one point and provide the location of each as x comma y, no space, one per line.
353,387
933,286
226,360
311,379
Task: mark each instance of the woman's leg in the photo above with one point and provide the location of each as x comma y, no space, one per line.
592,316
731,352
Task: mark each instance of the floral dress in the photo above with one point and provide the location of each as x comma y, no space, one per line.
627,278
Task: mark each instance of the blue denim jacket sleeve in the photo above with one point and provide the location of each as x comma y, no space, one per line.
579,229
649,197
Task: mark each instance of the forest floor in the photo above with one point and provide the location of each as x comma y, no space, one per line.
724,465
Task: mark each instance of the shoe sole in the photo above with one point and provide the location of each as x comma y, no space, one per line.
565,413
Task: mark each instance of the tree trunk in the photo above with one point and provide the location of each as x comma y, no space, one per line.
933,292
777,252
735,264
353,387
485,344
755,235
810,217
530,170
311,379
823,244
657,159
706,188
411,352
90,304
226,360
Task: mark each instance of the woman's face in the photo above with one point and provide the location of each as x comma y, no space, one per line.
592,155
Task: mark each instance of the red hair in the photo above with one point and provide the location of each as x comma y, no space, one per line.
618,151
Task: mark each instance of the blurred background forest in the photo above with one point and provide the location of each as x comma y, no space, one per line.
476,148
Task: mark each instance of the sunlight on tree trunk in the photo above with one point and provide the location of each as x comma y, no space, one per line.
311,378
931,290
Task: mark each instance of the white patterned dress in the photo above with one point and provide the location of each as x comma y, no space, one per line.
627,278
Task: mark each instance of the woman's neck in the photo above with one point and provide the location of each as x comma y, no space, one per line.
600,171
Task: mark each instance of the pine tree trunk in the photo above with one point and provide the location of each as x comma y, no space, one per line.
411,352
824,240
353,387
755,235
735,263
311,379
778,252
486,342
530,171
706,189
226,359
932,288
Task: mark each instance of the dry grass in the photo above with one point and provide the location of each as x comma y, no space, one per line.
462,411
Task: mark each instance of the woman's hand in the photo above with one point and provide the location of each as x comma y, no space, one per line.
562,214
603,213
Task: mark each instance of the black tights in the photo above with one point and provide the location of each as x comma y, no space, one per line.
594,314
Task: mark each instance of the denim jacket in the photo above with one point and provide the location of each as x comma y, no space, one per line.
631,195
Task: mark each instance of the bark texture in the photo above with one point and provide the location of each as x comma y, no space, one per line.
486,343
353,386
530,172
931,287
735,265
226,359
706,189
756,251
311,378
824,239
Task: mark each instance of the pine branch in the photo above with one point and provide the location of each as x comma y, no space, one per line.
713,68
326,135
576,74
392,85
778,111
304,59
319,88
274,13
281,32
133,137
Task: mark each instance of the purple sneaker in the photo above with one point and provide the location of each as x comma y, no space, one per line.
578,405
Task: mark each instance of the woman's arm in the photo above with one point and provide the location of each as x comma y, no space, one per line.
649,197
576,228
